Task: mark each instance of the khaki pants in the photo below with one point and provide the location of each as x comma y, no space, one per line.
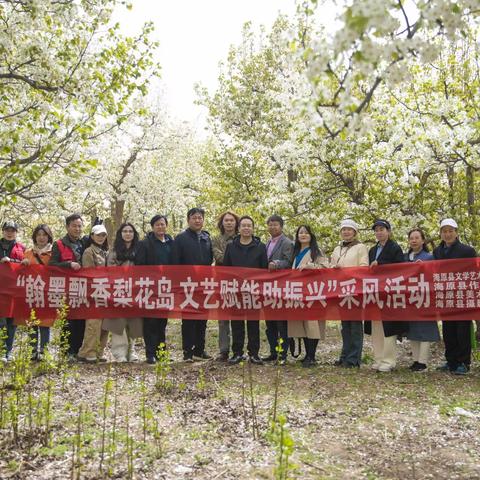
384,348
420,351
94,340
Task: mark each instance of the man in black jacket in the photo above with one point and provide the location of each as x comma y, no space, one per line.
193,247
456,333
155,249
246,251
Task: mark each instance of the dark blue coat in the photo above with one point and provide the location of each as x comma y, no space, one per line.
422,331
189,248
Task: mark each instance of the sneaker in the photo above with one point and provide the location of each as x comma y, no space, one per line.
187,358
418,367
282,362
222,357
202,356
462,369
255,359
3,360
384,369
102,360
34,357
151,360
413,366
71,357
350,365
444,368
121,360
270,358
9,357
236,359
338,363
86,359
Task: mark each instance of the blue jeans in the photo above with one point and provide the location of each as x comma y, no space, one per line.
44,334
352,336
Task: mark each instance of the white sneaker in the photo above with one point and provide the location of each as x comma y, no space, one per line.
384,368
121,360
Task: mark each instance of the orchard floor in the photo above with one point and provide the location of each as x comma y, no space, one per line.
344,424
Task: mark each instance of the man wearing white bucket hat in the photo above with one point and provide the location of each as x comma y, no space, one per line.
456,333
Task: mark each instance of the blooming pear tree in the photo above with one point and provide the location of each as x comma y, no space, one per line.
66,77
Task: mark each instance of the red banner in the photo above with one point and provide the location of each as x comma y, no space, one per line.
435,290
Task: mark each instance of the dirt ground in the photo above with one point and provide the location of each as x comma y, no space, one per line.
195,421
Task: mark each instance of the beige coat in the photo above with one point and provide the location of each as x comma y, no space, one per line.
350,256
118,325
311,328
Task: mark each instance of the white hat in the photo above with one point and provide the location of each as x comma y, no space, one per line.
98,229
349,223
448,222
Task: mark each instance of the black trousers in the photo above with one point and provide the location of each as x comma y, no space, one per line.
153,335
193,337
238,336
277,329
458,343
76,330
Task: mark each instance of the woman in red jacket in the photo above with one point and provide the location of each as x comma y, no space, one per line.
11,251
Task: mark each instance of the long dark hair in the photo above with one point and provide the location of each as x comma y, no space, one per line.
120,246
314,248
424,238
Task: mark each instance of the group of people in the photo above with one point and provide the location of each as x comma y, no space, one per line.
236,245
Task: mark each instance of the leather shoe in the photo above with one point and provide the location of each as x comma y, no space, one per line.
235,360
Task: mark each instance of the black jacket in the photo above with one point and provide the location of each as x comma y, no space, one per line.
391,253
456,250
253,255
152,251
192,249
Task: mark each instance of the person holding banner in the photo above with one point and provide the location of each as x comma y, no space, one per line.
249,252
95,338
228,226
350,253
40,254
193,247
456,333
384,334
155,249
420,333
67,253
124,331
279,251
307,255
11,251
